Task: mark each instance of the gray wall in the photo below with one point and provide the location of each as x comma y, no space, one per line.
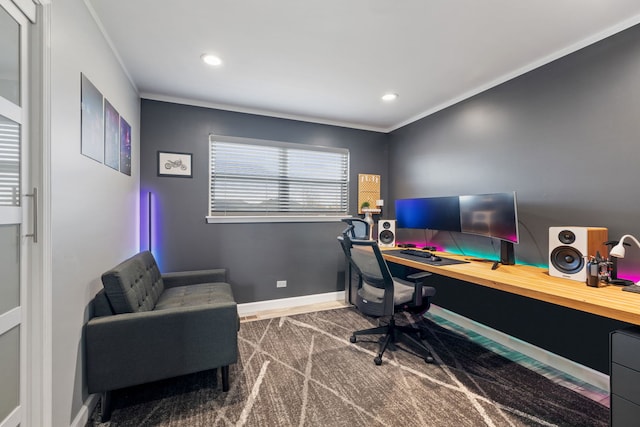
565,137
307,255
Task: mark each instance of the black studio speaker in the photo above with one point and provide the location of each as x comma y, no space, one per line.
387,233
571,246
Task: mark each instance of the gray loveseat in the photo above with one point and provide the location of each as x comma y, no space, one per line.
149,326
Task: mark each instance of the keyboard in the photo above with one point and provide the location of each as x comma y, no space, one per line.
416,252
632,288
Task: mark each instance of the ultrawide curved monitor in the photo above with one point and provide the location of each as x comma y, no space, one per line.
491,215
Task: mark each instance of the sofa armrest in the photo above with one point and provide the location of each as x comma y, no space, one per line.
182,278
135,348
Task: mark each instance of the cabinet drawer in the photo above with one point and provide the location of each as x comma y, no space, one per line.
623,412
625,383
625,348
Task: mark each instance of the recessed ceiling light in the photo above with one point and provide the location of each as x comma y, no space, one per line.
389,97
211,59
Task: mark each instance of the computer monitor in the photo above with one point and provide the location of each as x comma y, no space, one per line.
358,228
433,213
493,215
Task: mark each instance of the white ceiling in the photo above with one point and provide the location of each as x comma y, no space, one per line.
330,61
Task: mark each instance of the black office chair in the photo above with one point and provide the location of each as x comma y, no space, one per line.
381,295
357,228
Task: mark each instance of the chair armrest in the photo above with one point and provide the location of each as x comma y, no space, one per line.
135,348
418,276
417,279
182,278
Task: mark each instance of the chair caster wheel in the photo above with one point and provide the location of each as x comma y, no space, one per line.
429,359
352,338
378,360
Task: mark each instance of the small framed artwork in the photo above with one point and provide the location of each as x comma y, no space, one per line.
174,164
92,120
111,136
125,147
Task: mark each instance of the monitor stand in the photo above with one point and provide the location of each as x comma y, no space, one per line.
507,254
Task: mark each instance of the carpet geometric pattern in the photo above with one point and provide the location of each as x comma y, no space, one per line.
302,370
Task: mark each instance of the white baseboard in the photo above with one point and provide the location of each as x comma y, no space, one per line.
583,373
85,412
250,308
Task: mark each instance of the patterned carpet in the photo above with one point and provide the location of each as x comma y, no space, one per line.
303,371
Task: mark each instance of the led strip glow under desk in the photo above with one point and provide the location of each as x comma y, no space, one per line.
535,283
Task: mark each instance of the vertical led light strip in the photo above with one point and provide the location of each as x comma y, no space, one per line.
149,220
153,239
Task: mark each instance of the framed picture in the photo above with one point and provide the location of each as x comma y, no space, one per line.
125,147
174,164
111,136
92,121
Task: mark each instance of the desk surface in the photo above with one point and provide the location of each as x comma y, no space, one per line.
535,282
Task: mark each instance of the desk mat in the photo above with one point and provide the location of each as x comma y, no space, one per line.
428,261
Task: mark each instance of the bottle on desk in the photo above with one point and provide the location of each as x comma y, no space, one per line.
592,273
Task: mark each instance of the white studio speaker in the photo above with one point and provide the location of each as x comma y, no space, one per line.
387,233
571,246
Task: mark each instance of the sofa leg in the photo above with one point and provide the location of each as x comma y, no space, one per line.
106,407
224,371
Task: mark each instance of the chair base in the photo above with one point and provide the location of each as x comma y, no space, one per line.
393,333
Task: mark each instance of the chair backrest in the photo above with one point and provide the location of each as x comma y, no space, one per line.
375,296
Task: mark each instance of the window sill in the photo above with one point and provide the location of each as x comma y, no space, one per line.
239,219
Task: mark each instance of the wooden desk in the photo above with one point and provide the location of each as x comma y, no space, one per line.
534,282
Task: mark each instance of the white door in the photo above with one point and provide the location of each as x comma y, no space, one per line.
14,209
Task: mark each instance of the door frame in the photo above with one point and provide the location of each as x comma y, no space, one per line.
39,398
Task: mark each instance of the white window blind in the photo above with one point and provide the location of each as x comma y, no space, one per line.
268,178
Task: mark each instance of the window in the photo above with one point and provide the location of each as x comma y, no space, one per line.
252,178
9,162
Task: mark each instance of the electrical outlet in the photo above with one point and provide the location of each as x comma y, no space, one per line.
281,284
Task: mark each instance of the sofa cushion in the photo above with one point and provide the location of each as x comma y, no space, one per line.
195,295
134,285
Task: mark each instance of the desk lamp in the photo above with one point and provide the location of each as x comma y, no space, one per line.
618,250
